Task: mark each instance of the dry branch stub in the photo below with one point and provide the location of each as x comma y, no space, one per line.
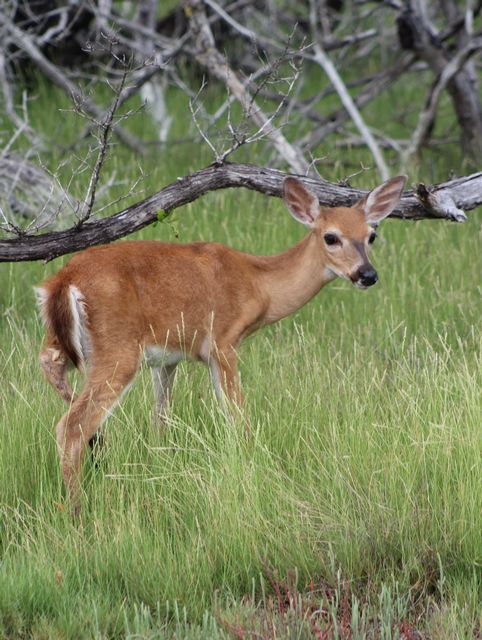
465,193
440,203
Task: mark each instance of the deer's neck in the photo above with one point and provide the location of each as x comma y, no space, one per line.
290,279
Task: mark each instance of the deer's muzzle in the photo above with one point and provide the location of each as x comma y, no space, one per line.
365,276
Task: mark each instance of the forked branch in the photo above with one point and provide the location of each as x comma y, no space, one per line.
211,59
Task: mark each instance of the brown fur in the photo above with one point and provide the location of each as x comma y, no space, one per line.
200,299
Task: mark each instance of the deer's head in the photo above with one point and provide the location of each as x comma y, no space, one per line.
345,234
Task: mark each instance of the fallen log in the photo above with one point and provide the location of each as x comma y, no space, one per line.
447,201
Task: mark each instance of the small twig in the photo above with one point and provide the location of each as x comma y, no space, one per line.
194,113
132,191
140,79
260,133
106,128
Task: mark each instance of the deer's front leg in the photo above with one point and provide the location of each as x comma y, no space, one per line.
223,367
162,381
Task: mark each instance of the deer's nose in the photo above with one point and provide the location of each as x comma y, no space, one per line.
368,277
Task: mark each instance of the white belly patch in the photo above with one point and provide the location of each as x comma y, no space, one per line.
157,356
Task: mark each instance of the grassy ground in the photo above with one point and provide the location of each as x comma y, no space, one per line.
355,506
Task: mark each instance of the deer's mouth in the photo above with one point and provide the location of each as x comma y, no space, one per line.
359,285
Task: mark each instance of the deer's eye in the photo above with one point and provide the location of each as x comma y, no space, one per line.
372,238
331,239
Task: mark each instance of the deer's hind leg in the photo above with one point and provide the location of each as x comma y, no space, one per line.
107,381
54,363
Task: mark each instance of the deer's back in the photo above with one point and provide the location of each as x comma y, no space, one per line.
164,293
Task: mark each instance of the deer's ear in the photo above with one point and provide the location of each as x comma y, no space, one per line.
302,204
380,202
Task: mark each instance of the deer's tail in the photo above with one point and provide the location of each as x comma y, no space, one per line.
64,312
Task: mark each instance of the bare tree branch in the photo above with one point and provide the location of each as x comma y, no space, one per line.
21,125
106,127
247,33
32,195
334,120
141,77
348,103
417,32
447,201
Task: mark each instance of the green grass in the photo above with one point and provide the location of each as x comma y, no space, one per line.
359,493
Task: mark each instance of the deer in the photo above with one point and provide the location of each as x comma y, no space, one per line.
111,306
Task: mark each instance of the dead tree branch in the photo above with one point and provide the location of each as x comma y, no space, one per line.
29,194
447,201
140,78
22,126
332,122
329,68
417,32
211,59
23,41
427,116
106,128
